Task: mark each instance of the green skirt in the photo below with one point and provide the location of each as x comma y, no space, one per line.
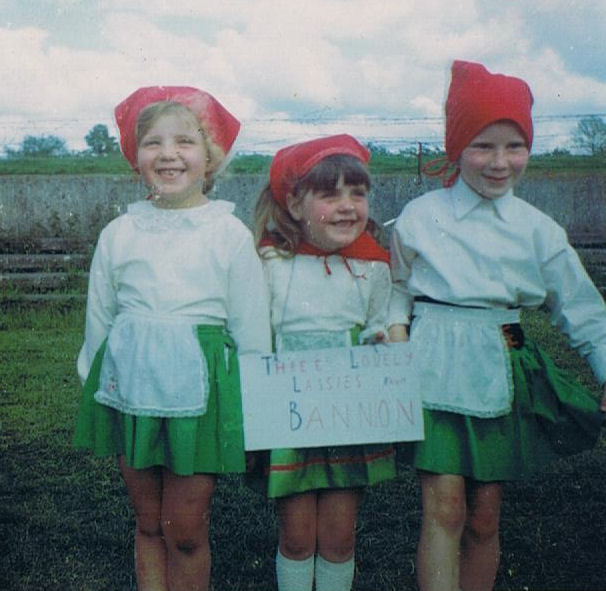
552,416
211,443
290,471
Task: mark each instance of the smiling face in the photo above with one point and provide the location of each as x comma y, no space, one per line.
331,219
495,160
172,159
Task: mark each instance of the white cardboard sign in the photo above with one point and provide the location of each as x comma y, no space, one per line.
338,396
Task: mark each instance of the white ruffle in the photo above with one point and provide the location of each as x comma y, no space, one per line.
157,219
153,367
463,360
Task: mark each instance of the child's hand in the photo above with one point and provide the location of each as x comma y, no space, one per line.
398,333
379,338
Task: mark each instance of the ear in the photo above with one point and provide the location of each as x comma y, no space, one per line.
295,207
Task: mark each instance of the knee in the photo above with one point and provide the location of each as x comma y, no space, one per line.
447,512
337,544
483,524
148,526
187,544
183,538
297,545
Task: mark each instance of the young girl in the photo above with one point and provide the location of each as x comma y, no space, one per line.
470,256
175,288
329,287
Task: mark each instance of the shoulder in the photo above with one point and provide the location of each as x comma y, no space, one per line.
222,212
537,220
424,211
121,224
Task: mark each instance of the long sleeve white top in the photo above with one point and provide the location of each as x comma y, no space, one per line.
305,297
196,265
454,246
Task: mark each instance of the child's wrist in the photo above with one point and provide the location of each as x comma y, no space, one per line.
398,333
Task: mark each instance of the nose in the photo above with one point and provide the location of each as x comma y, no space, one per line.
346,203
499,158
168,151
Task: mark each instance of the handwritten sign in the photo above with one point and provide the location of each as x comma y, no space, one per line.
339,396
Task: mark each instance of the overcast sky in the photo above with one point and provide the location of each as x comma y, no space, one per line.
296,69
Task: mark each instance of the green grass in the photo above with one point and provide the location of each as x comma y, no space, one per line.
66,524
382,162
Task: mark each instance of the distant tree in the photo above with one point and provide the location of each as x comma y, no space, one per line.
560,152
39,145
590,135
100,142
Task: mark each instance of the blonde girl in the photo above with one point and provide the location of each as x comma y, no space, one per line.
176,288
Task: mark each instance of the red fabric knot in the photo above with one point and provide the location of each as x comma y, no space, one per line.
441,167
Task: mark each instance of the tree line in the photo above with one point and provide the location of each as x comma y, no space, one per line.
589,137
98,140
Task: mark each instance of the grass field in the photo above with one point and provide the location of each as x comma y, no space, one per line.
66,525
382,162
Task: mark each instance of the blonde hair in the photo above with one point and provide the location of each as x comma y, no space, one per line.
154,111
274,222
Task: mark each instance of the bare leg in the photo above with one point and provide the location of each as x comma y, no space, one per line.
185,523
297,522
145,492
480,547
337,512
444,512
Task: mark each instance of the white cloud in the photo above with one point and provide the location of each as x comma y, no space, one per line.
319,60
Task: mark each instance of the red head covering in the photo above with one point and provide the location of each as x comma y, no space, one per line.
220,125
293,162
477,98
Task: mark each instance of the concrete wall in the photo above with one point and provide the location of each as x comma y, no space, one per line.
75,208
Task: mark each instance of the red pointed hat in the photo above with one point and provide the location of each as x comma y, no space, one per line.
220,125
477,98
293,162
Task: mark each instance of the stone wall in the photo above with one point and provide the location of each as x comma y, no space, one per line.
37,208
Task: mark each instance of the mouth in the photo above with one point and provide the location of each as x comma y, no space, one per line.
343,223
498,180
169,173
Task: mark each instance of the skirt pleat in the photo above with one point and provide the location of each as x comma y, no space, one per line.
293,471
211,443
552,416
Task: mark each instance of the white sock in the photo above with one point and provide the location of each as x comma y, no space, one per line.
294,575
334,576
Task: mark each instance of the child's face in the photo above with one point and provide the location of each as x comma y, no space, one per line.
172,160
332,220
495,159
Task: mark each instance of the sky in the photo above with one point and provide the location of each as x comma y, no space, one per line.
291,70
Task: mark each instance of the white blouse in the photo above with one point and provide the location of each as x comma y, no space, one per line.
168,269
453,246
305,297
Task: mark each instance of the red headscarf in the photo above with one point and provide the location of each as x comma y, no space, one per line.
293,162
364,247
220,125
476,99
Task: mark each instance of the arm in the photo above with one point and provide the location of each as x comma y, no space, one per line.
248,301
378,304
577,307
400,304
101,307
